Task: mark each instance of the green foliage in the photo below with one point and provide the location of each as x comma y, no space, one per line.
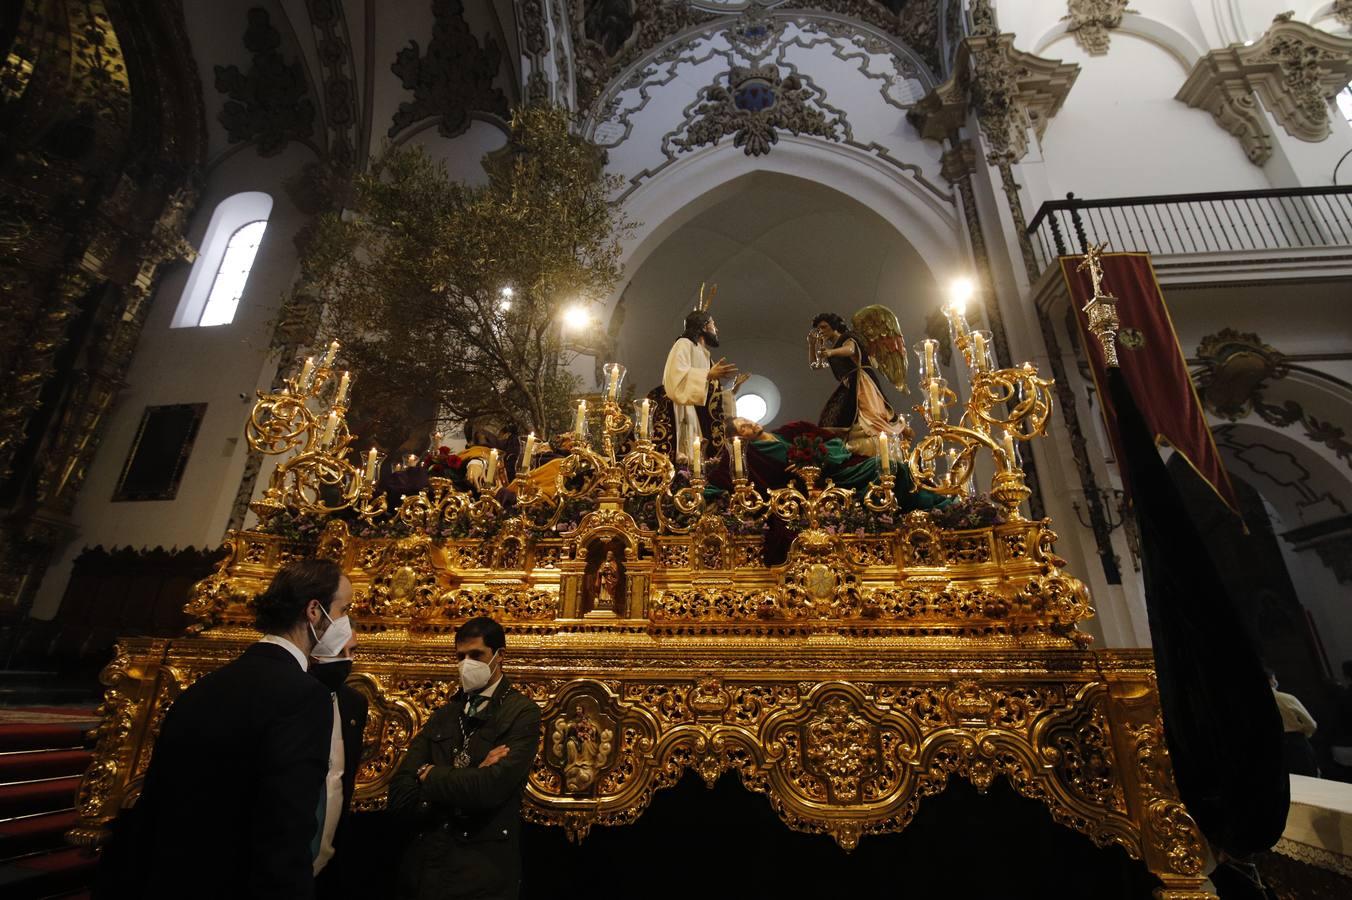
411,273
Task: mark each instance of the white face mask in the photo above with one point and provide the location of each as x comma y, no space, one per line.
334,639
475,675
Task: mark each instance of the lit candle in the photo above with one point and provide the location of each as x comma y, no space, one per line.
371,460
952,457
580,426
697,458
737,468
491,476
884,453
343,384
1008,442
330,428
931,363
978,352
331,355
411,460
305,372
614,389
437,439
644,422
935,407
530,452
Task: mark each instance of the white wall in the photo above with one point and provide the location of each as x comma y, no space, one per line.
1122,133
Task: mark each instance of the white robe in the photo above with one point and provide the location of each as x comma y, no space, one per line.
686,380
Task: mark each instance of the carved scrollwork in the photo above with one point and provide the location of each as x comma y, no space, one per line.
757,103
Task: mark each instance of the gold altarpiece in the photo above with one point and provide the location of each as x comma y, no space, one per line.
845,685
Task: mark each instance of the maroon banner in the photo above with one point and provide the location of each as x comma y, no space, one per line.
1152,364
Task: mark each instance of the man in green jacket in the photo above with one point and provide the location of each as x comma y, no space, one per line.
461,781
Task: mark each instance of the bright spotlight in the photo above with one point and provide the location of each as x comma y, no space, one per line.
959,292
504,305
506,293
576,318
753,407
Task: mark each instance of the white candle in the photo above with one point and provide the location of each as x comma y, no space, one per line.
437,439
331,355
737,468
303,382
978,352
343,384
411,460
884,453
580,426
614,388
491,476
931,362
330,428
935,407
1008,443
529,454
697,458
371,461
644,421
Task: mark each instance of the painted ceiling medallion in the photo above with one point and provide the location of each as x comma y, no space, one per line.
756,104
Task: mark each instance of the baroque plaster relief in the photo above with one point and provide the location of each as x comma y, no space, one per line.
1091,20
1293,69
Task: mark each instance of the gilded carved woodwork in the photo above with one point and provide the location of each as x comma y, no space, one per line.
845,685
1293,69
844,741
97,188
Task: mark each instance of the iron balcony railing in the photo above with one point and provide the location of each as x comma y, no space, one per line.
1223,222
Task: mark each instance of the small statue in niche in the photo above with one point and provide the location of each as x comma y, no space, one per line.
582,744
604,584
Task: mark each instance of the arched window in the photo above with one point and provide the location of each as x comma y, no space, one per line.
222,268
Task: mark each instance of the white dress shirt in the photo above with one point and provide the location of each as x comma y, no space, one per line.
333,790
291,648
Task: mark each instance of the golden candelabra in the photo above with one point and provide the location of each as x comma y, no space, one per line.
318,480
1003,406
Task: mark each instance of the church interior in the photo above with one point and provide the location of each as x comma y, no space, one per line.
770,370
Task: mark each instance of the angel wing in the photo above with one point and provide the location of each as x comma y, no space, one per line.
883,340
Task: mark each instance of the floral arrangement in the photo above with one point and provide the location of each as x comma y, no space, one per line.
975,511
807,450
442,463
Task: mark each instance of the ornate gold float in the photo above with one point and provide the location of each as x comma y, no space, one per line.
886,654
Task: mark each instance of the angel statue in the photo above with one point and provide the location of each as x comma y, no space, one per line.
855,353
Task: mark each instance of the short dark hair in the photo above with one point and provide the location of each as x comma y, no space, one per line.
482,627
835,321
283,604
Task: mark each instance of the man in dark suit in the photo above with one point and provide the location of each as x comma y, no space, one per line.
231,794
461,780
335,866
